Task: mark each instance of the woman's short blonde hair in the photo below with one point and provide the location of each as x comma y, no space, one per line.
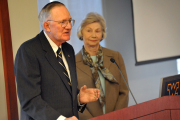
91,18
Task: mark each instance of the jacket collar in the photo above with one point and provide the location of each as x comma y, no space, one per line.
106,61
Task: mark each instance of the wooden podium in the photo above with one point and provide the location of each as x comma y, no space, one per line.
163,108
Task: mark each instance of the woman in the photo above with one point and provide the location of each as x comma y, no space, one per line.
95,69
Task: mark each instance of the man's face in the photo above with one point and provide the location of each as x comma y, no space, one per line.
55,31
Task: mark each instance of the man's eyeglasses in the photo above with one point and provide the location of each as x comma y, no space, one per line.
64,22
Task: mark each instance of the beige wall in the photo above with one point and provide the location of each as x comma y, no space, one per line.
24,25
3,109
23,20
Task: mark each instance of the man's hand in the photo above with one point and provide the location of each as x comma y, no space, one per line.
71,118
88,95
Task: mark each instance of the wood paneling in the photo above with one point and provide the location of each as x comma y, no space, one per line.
8,63
175,114
163,108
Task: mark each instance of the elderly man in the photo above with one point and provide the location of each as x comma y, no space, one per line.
45,70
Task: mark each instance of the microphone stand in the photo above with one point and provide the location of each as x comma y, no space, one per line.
113,61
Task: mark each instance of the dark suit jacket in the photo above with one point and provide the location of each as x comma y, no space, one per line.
42,88
116,95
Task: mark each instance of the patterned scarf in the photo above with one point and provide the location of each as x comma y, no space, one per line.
95,67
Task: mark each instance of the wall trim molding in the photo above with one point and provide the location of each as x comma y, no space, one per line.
8,62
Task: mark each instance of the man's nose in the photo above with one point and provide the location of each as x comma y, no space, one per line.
68,26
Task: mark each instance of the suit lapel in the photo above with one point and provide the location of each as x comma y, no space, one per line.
106,58
50,56
112,87
84,68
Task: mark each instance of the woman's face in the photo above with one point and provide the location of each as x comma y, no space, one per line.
92,34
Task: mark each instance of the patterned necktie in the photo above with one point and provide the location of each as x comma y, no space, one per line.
59,57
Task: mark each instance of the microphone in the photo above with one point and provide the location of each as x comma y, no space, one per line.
113,61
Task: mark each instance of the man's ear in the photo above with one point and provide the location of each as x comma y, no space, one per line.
47,26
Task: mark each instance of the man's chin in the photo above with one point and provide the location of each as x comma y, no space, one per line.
65,40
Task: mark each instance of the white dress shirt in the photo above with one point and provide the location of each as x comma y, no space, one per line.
55,48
